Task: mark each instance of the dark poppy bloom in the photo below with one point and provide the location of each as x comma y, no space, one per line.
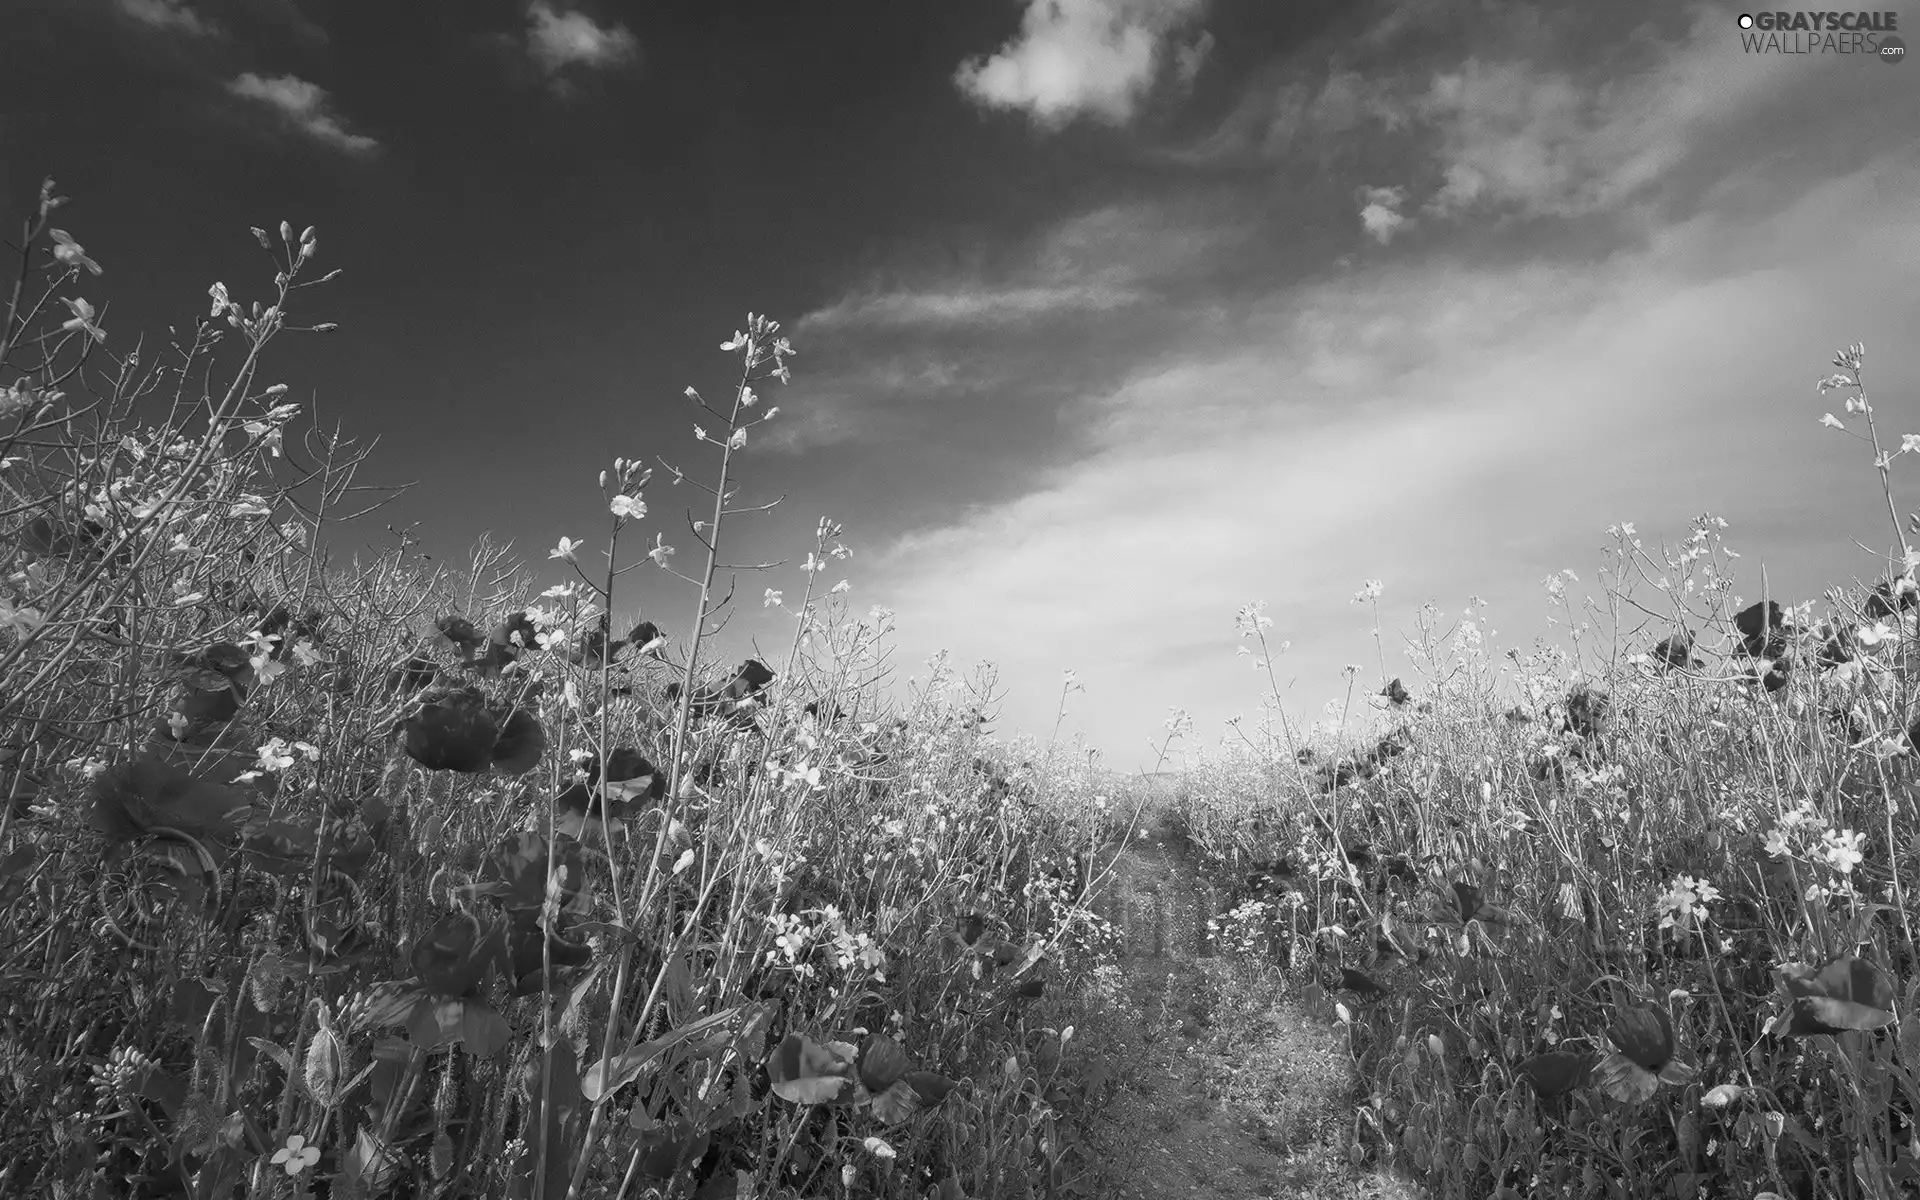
629,774
1836,651
460,633
1846,993
1304,755
1646,1055
452,959
1359,983
595,648
516,872
1395,693
1763,631
1518,716
410,676
1388,747
1889,595
1470,904
452,731
51,537
528,959
813,710
1557,1073
1676,653
133,799
1586,711
521,742
645,637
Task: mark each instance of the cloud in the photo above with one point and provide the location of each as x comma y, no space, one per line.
1380,212
1515,137
1452,425
1094,58
172,15
976,305
558,40
304,106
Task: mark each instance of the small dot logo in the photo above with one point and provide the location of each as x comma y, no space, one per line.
1892,49
1746,20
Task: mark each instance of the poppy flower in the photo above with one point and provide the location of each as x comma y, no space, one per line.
1388,747
452,731
1395,693
521,742
645,637
1556,1073
1359,983
1676,653
452,958
46,537
410,676
516,873
1586,711
1470,904
1762,629
1846,993
1889,595
508,641
1645,1057
460,633
1836,651
133,799
525,955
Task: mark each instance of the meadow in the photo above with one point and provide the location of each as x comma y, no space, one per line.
378,877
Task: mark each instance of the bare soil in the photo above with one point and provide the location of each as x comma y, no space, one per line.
1223,1086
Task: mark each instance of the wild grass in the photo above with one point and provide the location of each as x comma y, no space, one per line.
380,878
374,877
1647,932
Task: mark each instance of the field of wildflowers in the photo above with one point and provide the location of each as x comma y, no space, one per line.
368,879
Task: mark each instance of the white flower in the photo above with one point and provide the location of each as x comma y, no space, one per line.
565,550
772,600
296,1156
1842,850
628,506
1686,898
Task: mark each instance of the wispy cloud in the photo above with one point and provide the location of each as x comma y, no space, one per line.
557,40
1093,58
978,305
171,15
1380,212
305,108
1393,424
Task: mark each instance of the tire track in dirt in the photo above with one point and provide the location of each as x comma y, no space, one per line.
1227,1088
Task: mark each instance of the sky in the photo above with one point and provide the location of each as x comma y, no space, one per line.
1111,316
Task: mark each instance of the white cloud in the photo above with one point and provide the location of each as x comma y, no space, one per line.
304,106
1380,212
173,15
557,40
1450,427
1536,141
1095,58
976,305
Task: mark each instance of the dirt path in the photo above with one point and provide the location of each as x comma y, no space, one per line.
1226,1089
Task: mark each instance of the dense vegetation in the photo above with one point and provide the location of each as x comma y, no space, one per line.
377,878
